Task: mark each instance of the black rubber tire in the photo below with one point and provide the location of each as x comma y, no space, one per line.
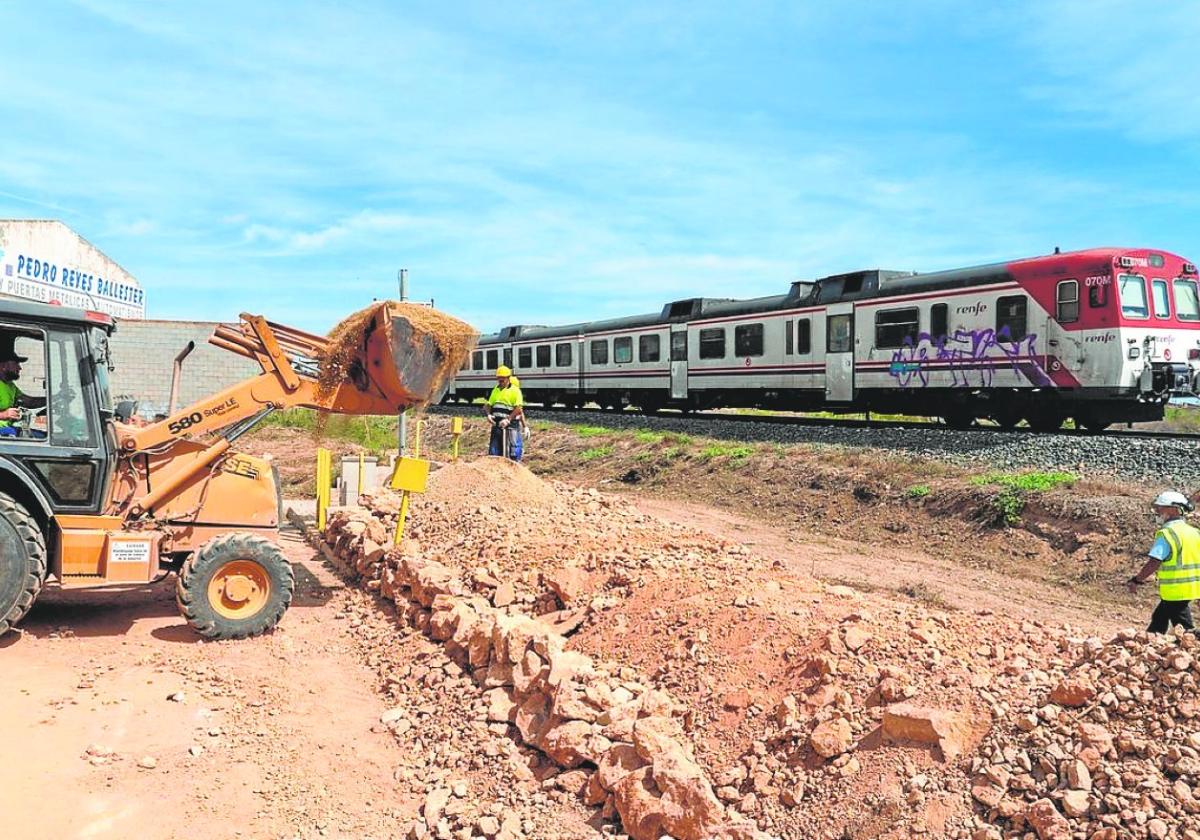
191,588
22,561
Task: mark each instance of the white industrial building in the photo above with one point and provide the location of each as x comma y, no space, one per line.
44,260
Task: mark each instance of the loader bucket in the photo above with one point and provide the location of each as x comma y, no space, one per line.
391,356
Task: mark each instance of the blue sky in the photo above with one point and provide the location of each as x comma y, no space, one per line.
553,162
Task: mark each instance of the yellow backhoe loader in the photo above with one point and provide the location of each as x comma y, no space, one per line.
88,497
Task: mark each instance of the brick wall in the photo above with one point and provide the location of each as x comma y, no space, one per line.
144,353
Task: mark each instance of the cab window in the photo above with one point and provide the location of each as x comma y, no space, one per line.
1162,299
1133,296
1187,301
22,385
69,417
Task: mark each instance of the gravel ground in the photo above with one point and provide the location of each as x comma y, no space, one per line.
1167,461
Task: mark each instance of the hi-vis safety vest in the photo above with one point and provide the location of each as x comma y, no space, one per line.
1179,576
502,401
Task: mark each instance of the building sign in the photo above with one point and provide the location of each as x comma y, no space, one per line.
46,261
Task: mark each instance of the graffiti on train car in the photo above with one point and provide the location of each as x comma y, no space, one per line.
972,358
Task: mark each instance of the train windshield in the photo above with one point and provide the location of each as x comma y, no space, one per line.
1133,296
1187,301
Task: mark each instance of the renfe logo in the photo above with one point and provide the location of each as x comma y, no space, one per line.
973,309
1102,338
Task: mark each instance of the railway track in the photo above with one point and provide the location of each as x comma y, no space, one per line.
847,422
1168,458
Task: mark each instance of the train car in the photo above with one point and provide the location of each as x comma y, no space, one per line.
1102,336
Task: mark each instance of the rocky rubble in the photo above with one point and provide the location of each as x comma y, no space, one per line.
1108,747
702,688
623,735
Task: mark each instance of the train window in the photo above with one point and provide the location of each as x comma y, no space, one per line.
679,346
524,357
1010,318
1162,299
804,336
1098,295
508,356
897,327
748,340
623,350
1133,296
477,360
789,339
939,321
493,359
543,355
562,354
839,333
1187,301
600,352
1067,299
648,348
712,343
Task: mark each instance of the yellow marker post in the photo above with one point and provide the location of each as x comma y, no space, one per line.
324,479
410,475
456,428
417,439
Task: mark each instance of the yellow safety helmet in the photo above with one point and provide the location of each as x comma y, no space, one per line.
503,371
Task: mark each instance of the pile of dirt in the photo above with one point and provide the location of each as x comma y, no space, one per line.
546,546
461,488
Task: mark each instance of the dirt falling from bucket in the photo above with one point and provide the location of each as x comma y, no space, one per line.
453,338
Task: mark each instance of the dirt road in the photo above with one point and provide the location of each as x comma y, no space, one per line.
268,737
939,580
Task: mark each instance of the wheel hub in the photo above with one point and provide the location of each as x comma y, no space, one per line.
239,589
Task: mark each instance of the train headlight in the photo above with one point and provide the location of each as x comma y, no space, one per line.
1135,352
1193,354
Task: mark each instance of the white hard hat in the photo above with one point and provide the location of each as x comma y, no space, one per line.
1172,498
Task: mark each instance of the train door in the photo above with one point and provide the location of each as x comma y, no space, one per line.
679,361
839,352
1063,347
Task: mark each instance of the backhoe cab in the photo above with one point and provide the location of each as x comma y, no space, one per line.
88,498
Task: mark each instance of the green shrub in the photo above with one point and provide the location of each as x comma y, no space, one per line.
1009,501
918,491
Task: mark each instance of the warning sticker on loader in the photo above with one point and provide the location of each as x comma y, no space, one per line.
129,551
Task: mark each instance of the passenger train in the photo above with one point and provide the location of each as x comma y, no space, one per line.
1103,336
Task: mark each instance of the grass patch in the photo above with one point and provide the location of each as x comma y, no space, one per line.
1183,419
648,436
374,433
595,452
541,425
591,431
735,452
1009,502
1028,482
918,491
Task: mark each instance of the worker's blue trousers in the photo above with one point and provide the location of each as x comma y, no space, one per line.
515,439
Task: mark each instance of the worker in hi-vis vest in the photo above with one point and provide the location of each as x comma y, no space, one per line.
1175,556
506,413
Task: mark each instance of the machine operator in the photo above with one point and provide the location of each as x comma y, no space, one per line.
1175,560
12,398
506,412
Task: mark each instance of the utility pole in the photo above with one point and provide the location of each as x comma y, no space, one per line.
402,276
